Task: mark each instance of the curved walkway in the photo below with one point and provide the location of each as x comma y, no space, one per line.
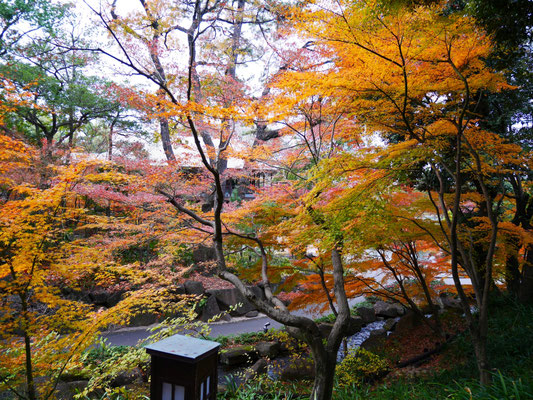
131,336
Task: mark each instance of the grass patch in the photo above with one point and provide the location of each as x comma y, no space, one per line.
243,338
502,388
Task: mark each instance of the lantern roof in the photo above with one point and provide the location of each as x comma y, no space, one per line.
182,347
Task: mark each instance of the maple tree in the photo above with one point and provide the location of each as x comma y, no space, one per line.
507,112
414,76
33,247
391,250
50,239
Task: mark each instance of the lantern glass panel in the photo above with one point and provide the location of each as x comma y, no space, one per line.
179,392
167,391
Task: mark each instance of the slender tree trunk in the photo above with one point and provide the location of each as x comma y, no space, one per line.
526,286
512,271
165,139
482,360
30,382
110,140
432,306
326,291
324,375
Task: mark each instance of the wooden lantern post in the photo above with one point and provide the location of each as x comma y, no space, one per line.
183,368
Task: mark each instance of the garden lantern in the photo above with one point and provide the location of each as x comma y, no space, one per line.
183,368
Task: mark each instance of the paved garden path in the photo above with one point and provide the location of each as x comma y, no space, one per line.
131,336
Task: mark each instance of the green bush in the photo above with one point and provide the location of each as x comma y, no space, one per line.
243,338
360,366
329,318
102,352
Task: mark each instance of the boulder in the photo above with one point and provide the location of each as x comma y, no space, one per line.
252,314
177,289
446,300
375,341
143,319
210,309
203,254
74,294
300,368
107,298
113,299
238,355
225,317
194,287
259,367
67,390
230,297
268,349
407,323
388,310
401,309
390,324
381,332
367,314
99,297
127,377
354,325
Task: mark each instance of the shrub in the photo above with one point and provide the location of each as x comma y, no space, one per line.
102,352
360,366
243,338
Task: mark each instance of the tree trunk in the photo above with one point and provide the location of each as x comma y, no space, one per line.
30,382
165,139
520,284
110,140
512,272
526,286
324,375
480,348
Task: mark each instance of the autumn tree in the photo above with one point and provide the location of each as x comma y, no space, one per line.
55,235
508,113
414,76
21,19
33,250
53,243
389,243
